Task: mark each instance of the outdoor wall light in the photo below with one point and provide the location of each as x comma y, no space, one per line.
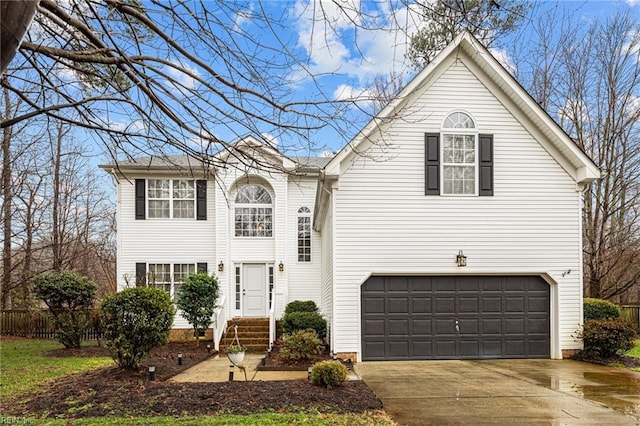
281,267
221,267
461,259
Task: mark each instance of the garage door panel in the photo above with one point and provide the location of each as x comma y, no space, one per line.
398,349
491,327
397,285
445,305
374,327
514,326
538,304
416,317
469,348
514,304
421,327
515,347
492,348
373,305
398,305
421,349
420,305
491,304
445,327
398,327
468,327
420,285
468,304
445,348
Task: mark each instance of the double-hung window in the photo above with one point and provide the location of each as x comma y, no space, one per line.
459,166
171,198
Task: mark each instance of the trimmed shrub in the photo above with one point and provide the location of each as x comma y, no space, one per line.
135,321
197,301
329,374
295,321
302,344
595,309
301,306
607,337
69,297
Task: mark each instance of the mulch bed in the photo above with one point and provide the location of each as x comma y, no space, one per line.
110,391
273,362
626,361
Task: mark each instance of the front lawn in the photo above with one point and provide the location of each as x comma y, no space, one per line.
34,385
25,369
635,351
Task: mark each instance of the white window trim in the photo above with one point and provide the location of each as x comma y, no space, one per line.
171,200
476,165
298,217
172,281
252,206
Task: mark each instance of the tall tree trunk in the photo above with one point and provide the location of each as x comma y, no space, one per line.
6,206
56,243
16,18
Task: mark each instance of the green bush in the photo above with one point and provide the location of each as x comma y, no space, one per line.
301,344
295,321
301,306
329,374
607,337
135,321
69,297
595,309
197,299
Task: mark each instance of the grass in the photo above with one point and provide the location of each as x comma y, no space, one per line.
25,369
635,351
316,419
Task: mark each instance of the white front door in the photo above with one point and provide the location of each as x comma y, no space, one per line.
254,290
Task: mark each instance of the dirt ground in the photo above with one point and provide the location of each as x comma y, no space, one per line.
110,391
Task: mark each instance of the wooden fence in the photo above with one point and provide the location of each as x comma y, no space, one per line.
39,324
632,313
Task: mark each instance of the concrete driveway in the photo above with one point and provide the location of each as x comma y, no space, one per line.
506,392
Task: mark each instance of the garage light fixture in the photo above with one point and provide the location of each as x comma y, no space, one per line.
221,267
461,259
281,267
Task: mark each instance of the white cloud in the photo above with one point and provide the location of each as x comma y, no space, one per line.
359,40
182,79
503,57
632,3
243,17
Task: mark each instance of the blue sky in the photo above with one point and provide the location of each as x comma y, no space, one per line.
345,60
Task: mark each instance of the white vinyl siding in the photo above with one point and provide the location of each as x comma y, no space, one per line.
532,223
161,241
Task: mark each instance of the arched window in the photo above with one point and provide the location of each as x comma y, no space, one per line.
304,234
459,159
253,212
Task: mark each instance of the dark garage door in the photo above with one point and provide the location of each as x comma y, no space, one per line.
455,317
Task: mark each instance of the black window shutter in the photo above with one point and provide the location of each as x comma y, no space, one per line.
141,274
201,200
486,165
201,267
140,199
432,163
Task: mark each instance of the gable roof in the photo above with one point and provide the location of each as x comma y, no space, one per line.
498,80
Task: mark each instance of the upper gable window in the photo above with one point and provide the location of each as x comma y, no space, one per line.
458,160
459,155
253,212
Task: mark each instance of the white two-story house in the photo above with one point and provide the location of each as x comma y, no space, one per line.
463,241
